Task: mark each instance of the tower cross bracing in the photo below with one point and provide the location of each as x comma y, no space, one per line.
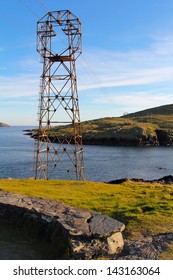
59,45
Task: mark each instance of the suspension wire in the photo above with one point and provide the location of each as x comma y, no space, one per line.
91,71
28,8
93,76
42,6
87,73
85,65
13,20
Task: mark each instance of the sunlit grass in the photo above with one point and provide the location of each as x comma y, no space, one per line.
145,208
168,254
128,128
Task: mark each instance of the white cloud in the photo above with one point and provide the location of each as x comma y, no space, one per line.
30,64
136,67
124,81
134,99
18,86
135,77
102,69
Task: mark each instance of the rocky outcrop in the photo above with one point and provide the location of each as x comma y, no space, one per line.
90,234
126,134
128,138
165,137
164,180
148,248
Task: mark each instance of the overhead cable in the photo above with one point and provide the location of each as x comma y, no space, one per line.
28,8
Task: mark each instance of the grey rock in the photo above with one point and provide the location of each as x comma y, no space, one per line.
104,226
148,248
47,217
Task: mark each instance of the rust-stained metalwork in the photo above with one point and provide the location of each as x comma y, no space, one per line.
59,44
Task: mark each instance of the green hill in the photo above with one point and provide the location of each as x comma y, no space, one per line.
148,127
161,110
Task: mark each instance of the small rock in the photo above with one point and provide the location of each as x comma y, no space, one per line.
115,243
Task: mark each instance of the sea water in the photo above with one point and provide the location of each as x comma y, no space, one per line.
102,163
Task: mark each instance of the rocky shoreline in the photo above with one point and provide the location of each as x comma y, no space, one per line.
164,180
162,138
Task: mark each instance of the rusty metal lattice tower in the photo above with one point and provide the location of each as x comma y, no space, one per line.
59,44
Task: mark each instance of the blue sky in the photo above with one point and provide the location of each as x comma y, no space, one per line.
126,64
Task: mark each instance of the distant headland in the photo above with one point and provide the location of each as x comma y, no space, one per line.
4,125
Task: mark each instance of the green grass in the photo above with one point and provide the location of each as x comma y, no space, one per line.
160,121
126,130
109,126
145,208
120,128
161,110
168,254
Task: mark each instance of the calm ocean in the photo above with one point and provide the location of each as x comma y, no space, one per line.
102,163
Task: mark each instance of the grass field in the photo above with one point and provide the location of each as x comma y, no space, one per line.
144,208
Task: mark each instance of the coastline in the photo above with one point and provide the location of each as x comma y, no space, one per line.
163,138
4,125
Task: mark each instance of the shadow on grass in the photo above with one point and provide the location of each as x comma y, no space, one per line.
126,220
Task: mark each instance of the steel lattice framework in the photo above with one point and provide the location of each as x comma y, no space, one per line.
59,44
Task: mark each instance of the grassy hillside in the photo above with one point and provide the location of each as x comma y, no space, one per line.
110,131
161,110
117,127
129,130
161,116
149,127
